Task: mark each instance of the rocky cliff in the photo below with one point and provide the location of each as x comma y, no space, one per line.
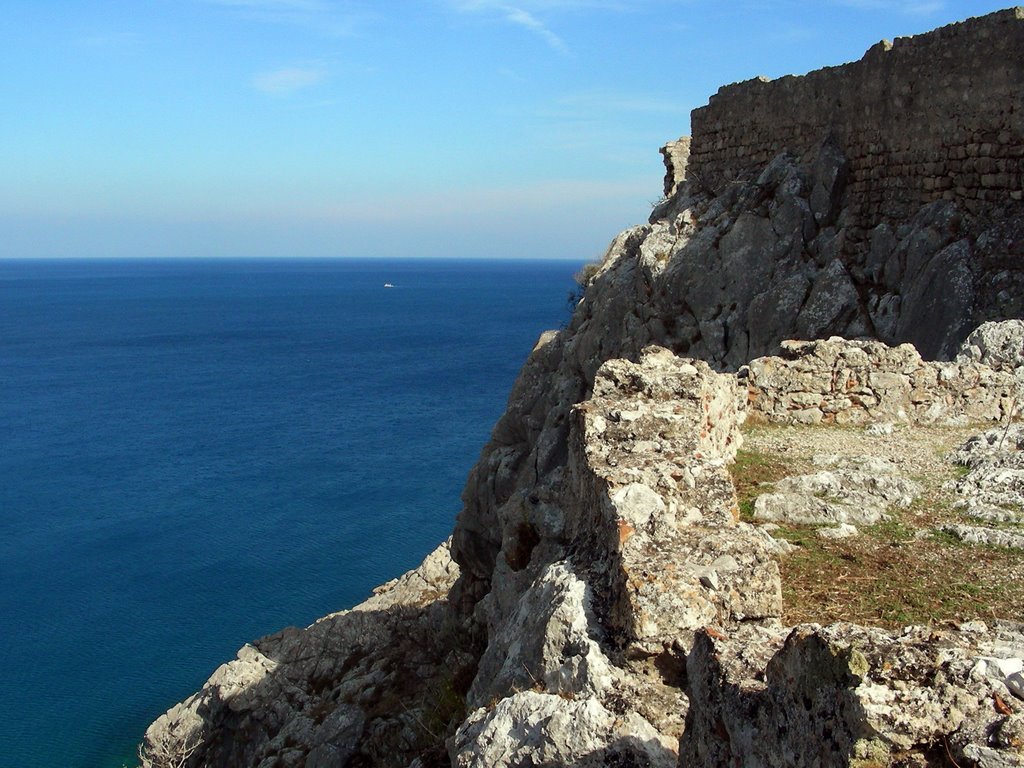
604,600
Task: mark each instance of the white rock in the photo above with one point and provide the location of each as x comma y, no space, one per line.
974,627
843,531
994,537
531,728
636,504
547,641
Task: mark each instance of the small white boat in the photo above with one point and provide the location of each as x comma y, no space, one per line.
389,285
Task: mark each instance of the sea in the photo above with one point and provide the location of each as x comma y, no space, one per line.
196,453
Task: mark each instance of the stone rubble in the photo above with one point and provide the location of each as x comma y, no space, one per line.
992,491
992,537
854,492
849,695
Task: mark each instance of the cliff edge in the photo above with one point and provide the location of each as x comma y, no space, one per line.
606,599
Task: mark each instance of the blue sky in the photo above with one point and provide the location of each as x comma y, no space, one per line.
526,128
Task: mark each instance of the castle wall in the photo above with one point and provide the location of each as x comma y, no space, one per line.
935,116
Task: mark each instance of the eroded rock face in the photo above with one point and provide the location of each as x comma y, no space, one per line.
329,693
608,567
643,517
540,729
848,695
549,642
656,510
999,345
992,491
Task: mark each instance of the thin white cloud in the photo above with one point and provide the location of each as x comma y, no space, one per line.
530,14
287,80
530,22
525,15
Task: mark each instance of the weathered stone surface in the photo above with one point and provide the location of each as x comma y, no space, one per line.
844,695
676,154
657,509
999,345
993,447
841,531
857,382
916,124
992,492
547,643
539,729
993,537
852,493
318,696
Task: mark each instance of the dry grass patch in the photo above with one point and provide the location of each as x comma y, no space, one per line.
877,580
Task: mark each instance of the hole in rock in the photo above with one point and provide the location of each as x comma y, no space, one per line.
524,541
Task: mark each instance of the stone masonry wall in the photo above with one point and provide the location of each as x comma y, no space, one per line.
835,381
939,116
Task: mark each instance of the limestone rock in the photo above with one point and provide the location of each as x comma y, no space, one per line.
657,510
994,447
861,382
317,695
676,154
531,728
993,537
999,345
548,643
840,695
853,493
841,531
993,489
879,429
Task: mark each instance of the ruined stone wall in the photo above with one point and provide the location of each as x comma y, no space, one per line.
834,381
936,116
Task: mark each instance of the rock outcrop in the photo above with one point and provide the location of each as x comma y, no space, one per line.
361,682
601,601
847,493
992,492
849,695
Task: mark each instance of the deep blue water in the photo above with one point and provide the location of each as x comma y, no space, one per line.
197,453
